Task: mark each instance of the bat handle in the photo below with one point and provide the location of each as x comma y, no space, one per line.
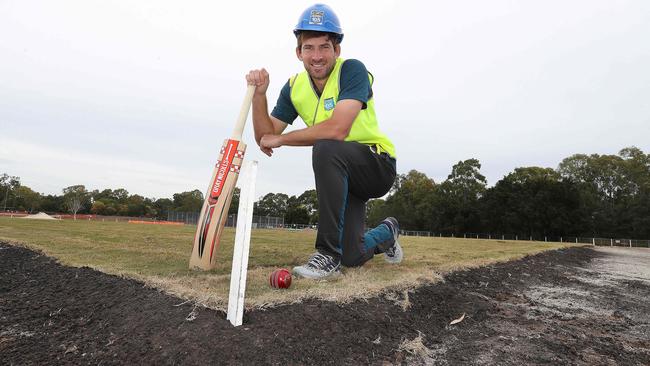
243,113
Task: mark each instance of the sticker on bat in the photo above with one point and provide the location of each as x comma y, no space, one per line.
224,168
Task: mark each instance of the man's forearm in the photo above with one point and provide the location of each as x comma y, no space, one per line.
307,136
336,128
262,123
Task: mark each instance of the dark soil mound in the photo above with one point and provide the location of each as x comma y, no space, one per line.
52,314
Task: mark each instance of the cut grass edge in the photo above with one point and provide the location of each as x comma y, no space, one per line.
396,291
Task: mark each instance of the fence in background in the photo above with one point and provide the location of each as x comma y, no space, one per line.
270,222
87,217
190,218
266,222
636,243
260,222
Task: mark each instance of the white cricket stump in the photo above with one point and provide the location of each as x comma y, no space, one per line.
246,184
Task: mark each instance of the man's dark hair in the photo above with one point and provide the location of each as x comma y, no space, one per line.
304,35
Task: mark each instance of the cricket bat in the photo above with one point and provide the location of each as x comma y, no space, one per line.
214,212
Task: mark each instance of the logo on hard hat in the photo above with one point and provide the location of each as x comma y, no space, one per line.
316,17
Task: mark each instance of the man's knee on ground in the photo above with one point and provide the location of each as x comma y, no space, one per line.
353,261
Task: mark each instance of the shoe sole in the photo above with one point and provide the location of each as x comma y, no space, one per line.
316,277
394,260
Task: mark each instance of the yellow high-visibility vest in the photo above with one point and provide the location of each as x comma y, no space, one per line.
314,109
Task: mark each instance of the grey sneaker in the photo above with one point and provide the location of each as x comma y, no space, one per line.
394,254
320,266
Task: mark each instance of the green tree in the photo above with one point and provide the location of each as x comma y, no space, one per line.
76,198
637,169
136,206
162,207
8,186
272,204
52,204
633,209
191,201
104,203
297,212
149,208
410,201
456,202
532,201
611,187
105,195
639,215
27,199
376,210
309,200
98,208
112,208
121,195
234,203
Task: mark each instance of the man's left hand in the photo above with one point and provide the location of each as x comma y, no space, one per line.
268,143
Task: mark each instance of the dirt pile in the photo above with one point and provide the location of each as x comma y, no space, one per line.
40,216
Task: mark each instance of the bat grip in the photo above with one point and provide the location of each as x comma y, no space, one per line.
243,113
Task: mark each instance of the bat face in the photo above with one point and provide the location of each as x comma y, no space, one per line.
214,213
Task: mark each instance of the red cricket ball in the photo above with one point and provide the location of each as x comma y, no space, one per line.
280,278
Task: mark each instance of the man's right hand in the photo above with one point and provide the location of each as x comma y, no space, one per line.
259,78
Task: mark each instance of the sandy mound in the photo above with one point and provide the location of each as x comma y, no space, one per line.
40,216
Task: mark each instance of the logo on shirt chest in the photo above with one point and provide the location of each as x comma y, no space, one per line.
329,104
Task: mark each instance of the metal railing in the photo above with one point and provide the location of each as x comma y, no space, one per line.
632,243
260,222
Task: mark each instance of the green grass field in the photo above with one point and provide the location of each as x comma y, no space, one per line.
159,255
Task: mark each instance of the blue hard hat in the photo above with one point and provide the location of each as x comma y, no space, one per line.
319,18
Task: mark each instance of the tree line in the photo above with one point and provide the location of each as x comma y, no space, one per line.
77,199
586,195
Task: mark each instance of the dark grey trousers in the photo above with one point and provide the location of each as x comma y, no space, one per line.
347,175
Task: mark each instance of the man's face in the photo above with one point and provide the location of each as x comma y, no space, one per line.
318,55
